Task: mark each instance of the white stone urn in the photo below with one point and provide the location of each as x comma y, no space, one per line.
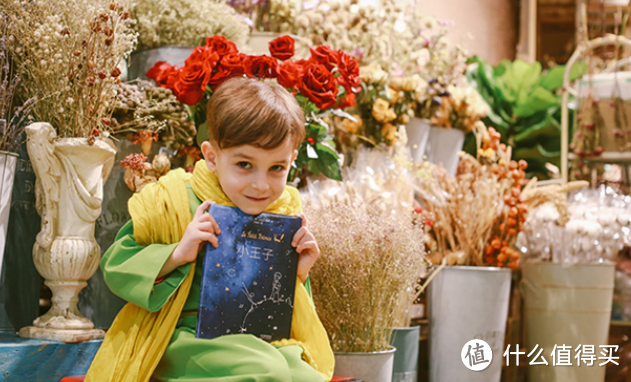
70,175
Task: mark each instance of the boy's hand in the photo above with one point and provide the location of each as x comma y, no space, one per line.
307,248
203,228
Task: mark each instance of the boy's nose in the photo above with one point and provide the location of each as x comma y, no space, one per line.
260,182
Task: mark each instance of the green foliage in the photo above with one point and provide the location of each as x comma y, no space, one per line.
524,108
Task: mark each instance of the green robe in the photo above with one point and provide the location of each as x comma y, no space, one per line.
130,270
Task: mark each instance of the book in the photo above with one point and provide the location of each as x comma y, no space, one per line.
248,281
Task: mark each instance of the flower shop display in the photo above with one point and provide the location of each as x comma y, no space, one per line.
591,227
327,81
366,221
569,248
67,54
168,30
473,218
381,107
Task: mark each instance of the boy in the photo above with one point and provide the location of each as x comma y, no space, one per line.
155,264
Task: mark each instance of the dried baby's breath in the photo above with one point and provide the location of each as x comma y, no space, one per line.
68,53
186,22
370,261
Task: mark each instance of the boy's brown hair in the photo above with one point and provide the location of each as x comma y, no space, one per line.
244,111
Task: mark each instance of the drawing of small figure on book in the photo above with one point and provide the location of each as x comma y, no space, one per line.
258,309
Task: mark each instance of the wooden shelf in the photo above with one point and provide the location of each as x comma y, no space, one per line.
607,157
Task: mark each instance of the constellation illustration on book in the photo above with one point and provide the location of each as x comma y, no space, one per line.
268,310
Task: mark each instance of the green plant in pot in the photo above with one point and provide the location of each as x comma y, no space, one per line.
525,108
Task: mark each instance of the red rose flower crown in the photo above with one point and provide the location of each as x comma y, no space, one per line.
324,83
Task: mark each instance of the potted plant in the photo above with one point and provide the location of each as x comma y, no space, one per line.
524,108
68,55
472,221
371,259
12,121
169,30
315,83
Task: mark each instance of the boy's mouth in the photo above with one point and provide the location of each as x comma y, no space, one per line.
256,200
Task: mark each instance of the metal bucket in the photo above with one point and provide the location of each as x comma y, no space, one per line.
406,341
443,146
369,367
417,131
8,162
141,61
467,303
567,306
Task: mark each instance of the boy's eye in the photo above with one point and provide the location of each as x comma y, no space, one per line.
244,165
277,168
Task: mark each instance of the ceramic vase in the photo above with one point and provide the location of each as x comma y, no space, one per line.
70,174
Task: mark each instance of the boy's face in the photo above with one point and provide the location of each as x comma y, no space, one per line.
253,178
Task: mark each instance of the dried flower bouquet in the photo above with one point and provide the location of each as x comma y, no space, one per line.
68,52
12,119
474,218
369,259
185,22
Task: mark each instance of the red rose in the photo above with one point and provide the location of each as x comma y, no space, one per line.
349,72
282,48
324,55
188,88
160,72
347,101
205,60
221,45
220,74
261,67
235,62
318,85
289,74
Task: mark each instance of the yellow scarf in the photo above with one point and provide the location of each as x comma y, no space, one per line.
138,338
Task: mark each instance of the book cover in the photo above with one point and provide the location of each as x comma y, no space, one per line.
249,280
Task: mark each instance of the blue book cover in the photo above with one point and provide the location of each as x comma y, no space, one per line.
249,280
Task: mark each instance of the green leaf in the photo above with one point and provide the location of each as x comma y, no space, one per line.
518,79
327,162
202,134
553,78
534,101
548,128
536,153
502,67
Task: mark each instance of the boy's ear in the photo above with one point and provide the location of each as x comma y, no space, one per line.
210,157
293,157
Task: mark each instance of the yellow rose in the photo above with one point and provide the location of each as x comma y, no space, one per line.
350,126
389,132
382,112
393,95
409,84
396,83
372,74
